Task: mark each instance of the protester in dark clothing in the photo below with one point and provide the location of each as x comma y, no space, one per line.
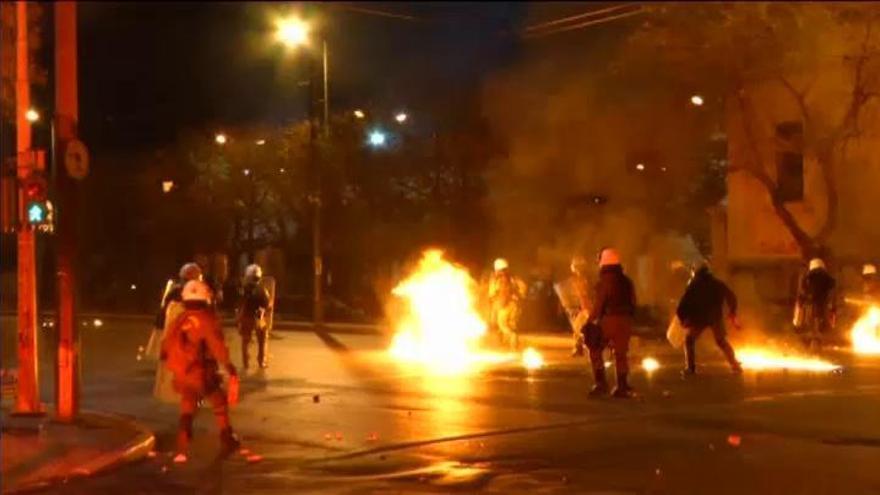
613,309
701,307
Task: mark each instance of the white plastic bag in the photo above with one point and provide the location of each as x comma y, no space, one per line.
676,333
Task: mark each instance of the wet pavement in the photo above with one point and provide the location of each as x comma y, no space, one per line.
333,414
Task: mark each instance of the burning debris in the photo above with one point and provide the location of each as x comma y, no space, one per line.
441,328
865,333
763,359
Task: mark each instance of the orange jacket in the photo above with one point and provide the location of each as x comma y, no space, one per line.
193,347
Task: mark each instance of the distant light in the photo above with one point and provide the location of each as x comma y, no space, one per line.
220,138
261,142
377,139
98,323
650,364
697,100
359,114
663,169
401,117
640,167
246,171
36,213
167,186
292,32
282,170
32,115
134,287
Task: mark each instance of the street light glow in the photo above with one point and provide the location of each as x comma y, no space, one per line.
292,32
401,117
247,171
32,115
640,167
697,100
377,139
167,186
261,142
359,114
220,138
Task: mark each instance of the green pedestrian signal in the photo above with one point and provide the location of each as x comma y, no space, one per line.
37,213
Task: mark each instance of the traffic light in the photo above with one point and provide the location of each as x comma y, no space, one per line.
37,207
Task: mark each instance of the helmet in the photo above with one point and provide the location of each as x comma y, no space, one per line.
190,271
816,263
578,264
501,264
869,269
609,256
253,271
196,290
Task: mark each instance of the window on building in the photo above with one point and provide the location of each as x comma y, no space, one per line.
790,161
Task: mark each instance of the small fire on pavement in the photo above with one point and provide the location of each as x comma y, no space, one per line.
865,333
761,359
440,327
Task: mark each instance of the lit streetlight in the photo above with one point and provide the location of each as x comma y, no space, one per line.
640,167
401,117
167,186
220,138
697,100
32,115
377,139
359,114
292,32
261,142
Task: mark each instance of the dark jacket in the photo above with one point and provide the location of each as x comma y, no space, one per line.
816,290
703,301
615,294
255,300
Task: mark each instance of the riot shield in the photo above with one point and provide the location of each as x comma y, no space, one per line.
268,283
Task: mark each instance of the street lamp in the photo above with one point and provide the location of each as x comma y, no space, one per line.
167,186
293,33
220,139
401,117
377,139
359,114
261,142
697,100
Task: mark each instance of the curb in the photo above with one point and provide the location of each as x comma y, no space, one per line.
133,450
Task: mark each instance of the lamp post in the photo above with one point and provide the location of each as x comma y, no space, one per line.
294,33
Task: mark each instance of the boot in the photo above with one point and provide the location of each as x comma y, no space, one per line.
735,365
623,390
184,434
690,358
229,441
600,387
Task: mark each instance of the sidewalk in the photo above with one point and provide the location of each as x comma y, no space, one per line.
36,451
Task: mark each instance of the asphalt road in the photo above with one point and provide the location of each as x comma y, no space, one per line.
335,415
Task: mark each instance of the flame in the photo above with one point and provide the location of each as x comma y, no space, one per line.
865,334
757,358
441,328
532,359
650,364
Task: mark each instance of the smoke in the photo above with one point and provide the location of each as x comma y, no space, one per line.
568,183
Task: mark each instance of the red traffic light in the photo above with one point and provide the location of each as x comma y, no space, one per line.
34,188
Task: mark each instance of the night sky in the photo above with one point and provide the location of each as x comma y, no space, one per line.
149,70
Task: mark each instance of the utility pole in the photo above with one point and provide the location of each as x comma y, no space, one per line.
27,399
75,166
318,283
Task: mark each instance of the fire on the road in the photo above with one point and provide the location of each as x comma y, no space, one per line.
865,334
441,328
760,359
